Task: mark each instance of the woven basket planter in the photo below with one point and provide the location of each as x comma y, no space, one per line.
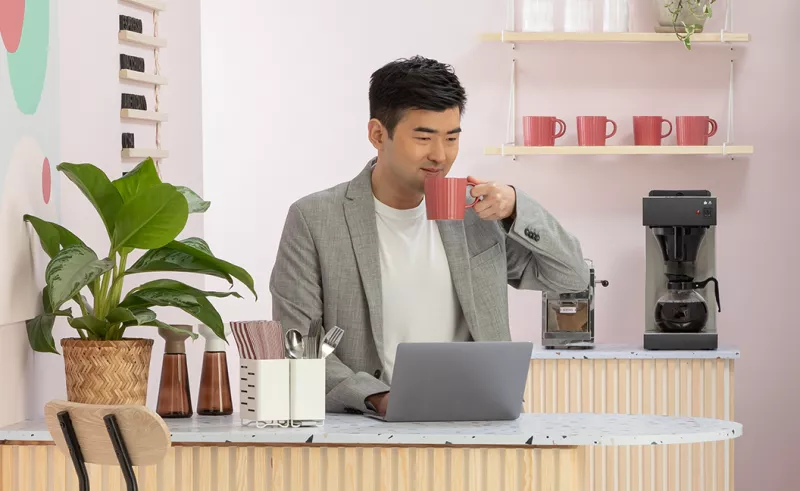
107,372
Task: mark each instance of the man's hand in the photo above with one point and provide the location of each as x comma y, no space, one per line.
380,402
499,200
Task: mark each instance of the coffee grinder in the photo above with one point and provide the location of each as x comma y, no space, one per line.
568,318
680,263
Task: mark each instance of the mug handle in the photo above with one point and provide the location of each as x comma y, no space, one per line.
471,184
614,128
713,127
669,131
563,130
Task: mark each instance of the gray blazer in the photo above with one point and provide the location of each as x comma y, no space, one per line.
327,266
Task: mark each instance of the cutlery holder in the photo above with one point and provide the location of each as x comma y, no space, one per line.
264,389
307,392
282,392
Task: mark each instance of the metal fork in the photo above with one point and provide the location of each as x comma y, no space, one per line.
331,341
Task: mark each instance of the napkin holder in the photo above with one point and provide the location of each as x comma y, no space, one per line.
282,392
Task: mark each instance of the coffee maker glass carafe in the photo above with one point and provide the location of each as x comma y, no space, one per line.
682,308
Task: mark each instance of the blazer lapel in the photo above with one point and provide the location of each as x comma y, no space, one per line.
359,212
455,246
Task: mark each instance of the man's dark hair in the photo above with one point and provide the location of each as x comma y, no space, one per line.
413,83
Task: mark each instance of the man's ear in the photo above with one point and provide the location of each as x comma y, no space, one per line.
377,134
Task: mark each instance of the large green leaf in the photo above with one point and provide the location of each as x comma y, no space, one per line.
196,203
167,259
40,333
46,303
142,316
181,287
48,307
52,235
72,269
151,219
120,315
197,306
198,249
96,186
142,177
93,325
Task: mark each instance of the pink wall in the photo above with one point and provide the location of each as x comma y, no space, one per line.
90,132
285,112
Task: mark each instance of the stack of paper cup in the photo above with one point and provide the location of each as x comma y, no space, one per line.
537,15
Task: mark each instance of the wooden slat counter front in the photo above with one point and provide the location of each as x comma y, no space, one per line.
353,453
630,380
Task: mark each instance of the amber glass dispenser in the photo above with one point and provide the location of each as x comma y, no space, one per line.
174,397
215,386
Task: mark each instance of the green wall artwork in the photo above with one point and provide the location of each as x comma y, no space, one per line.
29,147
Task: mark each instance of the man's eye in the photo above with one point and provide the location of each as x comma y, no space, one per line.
423,138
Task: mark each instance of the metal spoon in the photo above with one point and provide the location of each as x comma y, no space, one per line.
294,344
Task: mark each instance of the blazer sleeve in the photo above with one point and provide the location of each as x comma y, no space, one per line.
541,254
297,298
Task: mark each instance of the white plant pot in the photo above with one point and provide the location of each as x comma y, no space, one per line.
665,16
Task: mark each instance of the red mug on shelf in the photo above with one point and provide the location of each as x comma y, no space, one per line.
540,131
592,130
647,130
447,198
695,130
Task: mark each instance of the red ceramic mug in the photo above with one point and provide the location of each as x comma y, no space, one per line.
695,130
447,198
647,130
540,131
592,130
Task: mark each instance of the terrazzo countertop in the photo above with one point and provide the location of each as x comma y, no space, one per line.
529,429
628,352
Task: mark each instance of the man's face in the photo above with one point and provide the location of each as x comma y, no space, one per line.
424,144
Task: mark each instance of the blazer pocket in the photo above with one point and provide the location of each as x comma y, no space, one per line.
485,256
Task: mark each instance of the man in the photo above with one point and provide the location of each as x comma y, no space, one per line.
362,255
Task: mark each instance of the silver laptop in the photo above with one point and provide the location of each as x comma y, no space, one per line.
458,381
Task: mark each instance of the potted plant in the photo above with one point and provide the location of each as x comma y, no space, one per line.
683,17
140,212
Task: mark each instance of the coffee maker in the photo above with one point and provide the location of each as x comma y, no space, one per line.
680,263
568,318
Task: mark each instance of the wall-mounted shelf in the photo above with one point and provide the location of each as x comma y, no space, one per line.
622,150
612,37
141,39
156,5
143,153
143,115
147,78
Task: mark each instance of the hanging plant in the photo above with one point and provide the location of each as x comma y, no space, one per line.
687,17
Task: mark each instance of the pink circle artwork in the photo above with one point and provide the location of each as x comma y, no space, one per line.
46,181
12,13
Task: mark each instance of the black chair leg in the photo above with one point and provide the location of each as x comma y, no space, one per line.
74,450
122,451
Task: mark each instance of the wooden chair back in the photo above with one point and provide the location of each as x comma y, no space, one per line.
144,433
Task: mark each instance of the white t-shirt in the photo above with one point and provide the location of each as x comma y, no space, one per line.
419,299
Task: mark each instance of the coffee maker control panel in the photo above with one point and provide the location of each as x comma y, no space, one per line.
679,211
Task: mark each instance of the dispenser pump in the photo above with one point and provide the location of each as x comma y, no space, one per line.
214,343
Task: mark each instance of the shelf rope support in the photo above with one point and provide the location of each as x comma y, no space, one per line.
511,127
728,27
730,134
